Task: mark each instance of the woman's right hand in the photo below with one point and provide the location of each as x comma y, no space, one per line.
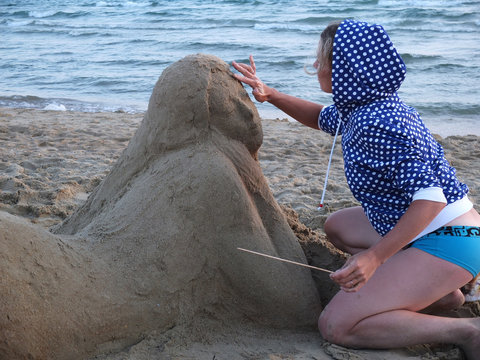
261,92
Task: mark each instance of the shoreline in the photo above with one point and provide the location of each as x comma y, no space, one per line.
444,125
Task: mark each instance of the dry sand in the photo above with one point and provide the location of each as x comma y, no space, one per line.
51,161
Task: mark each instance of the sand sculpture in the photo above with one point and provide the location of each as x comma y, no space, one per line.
155,243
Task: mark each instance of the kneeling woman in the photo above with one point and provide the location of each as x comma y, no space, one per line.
416,238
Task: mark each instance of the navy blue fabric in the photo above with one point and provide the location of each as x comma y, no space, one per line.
388,152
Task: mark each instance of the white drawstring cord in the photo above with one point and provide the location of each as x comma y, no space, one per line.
328,166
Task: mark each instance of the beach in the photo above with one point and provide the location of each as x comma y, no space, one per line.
51,161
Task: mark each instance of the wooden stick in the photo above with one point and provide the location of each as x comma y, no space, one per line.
285,260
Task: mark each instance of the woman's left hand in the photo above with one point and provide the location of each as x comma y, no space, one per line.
261,92
358,269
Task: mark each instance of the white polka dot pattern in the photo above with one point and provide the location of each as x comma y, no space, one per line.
388,152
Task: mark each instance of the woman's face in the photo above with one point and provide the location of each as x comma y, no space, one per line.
324,76
324,70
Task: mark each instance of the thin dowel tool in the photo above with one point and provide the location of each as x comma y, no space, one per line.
285,260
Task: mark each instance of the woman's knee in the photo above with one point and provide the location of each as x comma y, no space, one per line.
350,231
332,228
451,301
324,327
333,329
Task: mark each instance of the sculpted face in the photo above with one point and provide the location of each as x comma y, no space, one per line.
233,113
192,98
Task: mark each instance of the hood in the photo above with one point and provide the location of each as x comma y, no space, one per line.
365,66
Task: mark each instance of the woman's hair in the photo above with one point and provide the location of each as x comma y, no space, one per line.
325,45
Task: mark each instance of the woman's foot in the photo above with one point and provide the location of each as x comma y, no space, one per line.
472,290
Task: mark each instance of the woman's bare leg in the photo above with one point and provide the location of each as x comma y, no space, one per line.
383,313
350,231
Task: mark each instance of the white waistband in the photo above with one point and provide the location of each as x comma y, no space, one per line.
449,212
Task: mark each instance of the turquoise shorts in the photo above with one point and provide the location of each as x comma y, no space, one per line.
457,244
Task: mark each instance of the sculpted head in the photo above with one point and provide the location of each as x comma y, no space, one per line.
196,102
198,97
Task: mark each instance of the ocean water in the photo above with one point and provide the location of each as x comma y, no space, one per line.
93,55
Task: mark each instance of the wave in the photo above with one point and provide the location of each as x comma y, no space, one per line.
92,33
161,13
448,67
412,15
59,31
19,13
216,47
57,14
42,14
470,110
243,2
133,62
438,63
126,4
233,22
287,27
33,27
415,58
176,23
17,23
317,20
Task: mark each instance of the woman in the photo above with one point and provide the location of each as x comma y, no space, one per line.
416,239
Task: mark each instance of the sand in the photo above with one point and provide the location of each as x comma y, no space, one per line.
52,161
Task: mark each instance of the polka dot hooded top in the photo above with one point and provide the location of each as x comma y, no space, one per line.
388,152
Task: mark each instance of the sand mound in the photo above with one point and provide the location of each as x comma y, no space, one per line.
188,191
155,243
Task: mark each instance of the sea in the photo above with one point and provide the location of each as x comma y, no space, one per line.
97,56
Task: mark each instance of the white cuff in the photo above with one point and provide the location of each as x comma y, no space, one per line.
320,117
431,193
